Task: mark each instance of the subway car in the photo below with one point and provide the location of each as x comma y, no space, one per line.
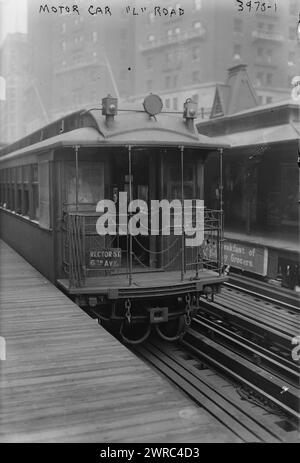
57,184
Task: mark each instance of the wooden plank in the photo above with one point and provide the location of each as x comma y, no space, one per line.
65,379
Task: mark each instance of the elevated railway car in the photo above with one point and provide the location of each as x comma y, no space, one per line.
76,201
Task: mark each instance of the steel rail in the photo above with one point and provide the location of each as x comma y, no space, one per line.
223,401
263,292
266,333
285,369
241,370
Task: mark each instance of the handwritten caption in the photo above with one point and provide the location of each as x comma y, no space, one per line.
93,10
255,6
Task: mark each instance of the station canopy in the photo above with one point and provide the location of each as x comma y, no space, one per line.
265,135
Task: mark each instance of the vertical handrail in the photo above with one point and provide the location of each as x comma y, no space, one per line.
70,252
221,227
182,217
130,199
83,247
76,148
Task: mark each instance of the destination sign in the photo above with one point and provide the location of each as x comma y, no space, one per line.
104,258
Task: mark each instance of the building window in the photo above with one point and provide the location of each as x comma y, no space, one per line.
167,103
291,58
269,55
63,28
175,81
77,58
269,99
259,78
168,57
260,99
151,38
270,27
149,62
195,53
167,81
149,85
197,25
169,32
269,79
237,49
198,4
238,25
95,36
63,46
196,76
175,104
177,30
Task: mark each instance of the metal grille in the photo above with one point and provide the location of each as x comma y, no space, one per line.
209,255
80,237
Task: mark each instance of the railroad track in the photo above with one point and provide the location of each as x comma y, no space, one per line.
266,378
265,322
281,297
246,339
235,361
250,340
230,402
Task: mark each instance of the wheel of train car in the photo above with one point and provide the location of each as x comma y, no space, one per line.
134,333
171,331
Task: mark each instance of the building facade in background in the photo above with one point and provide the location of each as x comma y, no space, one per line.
14,71
212,35
75,60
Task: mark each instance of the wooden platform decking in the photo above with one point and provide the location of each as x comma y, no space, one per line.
65,379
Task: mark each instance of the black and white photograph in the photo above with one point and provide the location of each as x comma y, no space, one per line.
149,226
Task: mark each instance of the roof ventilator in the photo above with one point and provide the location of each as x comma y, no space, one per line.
109,109
190,113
